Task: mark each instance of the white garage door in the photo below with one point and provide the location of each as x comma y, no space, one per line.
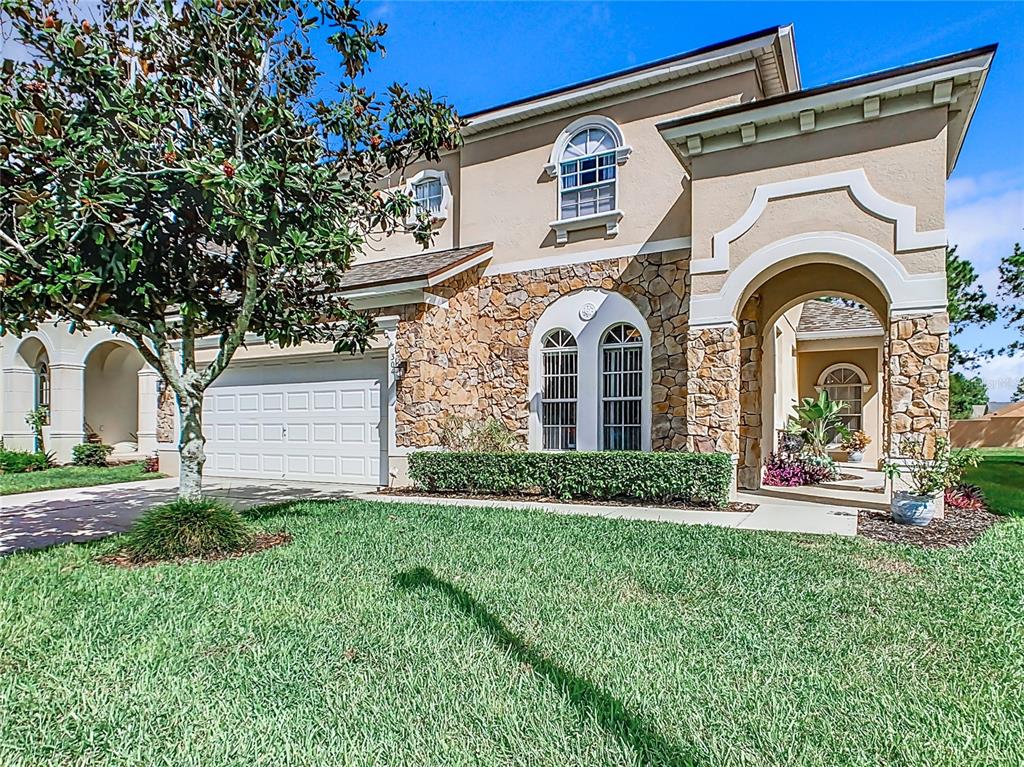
316,420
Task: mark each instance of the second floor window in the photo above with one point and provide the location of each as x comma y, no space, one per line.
428,194
587,174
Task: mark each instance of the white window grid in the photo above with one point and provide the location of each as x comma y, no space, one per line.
621,388
559,396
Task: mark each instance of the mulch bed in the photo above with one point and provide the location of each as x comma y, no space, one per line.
260,542
959,527
415,491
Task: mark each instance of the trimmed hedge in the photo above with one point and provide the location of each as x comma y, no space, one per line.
699,478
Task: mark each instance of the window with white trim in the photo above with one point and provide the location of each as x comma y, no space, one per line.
43,385
587,174
428,194
845,384
558,408
622,368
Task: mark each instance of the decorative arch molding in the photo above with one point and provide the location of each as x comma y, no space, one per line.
446,193
622,150
905,292
864,381
903,217
13,359
587,314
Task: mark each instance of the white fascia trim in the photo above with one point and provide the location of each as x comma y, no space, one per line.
790,62
573,109
827,335
616,85
433,299
904,217
585,256
905,292
854,94
610,222
460,267
622,150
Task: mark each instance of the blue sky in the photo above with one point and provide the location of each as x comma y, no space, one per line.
481,54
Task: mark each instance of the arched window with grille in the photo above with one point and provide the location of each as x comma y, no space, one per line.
846,383
587,174
43,385
622,375
560,390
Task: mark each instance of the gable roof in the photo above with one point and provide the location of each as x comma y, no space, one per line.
820,316
414,271
772,51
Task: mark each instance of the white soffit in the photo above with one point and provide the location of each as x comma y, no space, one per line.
761,48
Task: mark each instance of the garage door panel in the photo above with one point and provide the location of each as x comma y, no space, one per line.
293,421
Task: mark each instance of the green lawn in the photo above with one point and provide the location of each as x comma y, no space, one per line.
72,476
1001,476
409,635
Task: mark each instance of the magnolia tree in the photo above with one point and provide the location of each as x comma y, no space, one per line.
181,171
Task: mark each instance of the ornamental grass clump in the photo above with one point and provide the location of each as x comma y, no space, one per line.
187,528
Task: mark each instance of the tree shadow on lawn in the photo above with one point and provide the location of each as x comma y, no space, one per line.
591,701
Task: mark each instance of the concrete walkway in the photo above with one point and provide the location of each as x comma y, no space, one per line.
794,516
37,520
73,515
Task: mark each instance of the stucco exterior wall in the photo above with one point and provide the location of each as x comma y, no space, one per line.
902,156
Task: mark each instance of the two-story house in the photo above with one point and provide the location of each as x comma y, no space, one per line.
627,263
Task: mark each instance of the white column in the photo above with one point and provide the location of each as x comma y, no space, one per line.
67,409
149,383
18,398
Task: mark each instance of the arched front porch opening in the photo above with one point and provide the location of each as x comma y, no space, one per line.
29,390
111,396
779,365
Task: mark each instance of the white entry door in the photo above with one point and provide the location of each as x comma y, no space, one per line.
318,420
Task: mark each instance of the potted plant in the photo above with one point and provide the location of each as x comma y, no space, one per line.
854,443
818,419
927,476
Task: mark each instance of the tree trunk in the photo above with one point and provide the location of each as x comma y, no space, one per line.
190,448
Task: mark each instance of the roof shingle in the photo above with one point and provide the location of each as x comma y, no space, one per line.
821,316
419,266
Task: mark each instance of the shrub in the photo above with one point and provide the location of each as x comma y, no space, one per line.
968,497
702,478
19,461
90,454
788,470
855,442
185,528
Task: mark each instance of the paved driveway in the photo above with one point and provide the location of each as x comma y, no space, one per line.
35,520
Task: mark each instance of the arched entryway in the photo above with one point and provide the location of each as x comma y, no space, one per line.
112,395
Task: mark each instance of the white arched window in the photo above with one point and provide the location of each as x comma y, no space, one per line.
560,390
43,385
622,375
430,194
586,174
846,383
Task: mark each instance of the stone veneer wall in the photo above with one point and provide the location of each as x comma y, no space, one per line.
713,356
471,357
917,397
748,472
165,410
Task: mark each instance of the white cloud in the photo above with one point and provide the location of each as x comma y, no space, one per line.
985,228
1001,375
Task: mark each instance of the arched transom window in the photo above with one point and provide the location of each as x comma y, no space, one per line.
586,174
621,388
560,360
846,383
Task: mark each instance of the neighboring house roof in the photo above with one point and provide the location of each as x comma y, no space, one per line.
956,79
771,50
1006,409
827,317
417,270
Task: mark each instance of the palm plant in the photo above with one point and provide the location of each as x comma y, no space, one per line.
818,420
